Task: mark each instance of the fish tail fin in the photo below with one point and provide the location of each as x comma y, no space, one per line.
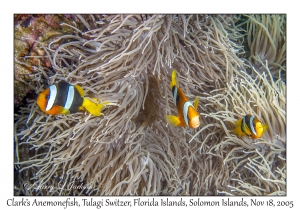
174,120
238,122
196,102
174,79
93,108
238,130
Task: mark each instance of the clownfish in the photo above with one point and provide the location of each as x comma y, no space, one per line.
64,98
250,126
187,111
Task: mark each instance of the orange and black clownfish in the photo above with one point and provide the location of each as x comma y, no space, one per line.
187,111
64,98
250,126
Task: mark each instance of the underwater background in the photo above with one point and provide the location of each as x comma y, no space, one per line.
235,64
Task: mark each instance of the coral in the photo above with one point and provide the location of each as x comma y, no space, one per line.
29,30
130,149
266,39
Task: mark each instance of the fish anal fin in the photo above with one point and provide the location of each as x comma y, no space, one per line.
174,120
57,110
65,111
80,90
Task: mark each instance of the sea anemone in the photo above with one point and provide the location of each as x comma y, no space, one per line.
130,149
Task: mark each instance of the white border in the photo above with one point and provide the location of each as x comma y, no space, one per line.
153,6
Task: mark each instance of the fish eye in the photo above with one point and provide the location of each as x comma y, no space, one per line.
48,96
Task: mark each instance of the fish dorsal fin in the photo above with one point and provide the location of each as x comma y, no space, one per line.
80,90
174,79
196,102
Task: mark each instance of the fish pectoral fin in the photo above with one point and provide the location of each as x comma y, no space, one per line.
80,90
265,127
93,108
173,120
196,102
